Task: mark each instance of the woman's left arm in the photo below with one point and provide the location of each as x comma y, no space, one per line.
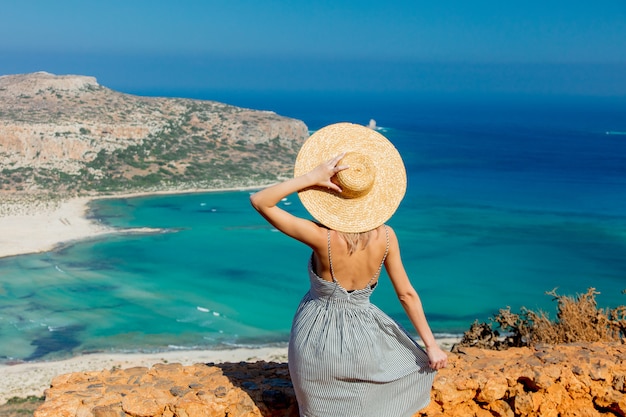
412,303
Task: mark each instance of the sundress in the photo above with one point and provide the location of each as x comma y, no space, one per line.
347,358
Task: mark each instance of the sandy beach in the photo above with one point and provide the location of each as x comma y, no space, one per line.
32,226
39,228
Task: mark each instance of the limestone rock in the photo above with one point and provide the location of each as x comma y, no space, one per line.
167,390
562,380
577,380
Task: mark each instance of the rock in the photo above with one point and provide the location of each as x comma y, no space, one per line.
578,380
562,380
167,390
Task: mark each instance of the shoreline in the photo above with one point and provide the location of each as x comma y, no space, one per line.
37,227
26,379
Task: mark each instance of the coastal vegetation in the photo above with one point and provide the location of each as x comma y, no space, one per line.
578,319
20,407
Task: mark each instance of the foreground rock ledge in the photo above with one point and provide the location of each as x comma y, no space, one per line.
566,380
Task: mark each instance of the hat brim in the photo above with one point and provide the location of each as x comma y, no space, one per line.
352,215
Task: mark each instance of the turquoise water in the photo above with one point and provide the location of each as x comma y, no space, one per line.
498,211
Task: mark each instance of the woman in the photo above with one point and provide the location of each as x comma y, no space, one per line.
347,357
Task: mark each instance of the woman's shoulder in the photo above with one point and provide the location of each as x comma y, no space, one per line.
391,236
318,239
389,230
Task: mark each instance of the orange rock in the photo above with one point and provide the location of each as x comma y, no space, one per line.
492,390
447,392
501,408
136,405
101,411
574,380
524,404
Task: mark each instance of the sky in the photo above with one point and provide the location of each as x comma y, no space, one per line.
549,46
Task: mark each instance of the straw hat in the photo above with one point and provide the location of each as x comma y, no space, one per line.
373,185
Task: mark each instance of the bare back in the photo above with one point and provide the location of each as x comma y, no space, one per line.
352,271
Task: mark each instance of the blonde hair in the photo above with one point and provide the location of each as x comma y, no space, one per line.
355,241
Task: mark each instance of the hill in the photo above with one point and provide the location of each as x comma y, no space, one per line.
68,135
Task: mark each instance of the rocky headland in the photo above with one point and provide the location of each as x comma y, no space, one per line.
65,139
571,380
68,135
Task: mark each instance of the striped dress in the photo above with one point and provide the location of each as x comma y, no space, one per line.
347,358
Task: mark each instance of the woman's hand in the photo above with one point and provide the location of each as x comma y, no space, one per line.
437,358
322,174
304,230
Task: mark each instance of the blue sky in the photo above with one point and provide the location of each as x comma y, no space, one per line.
549,46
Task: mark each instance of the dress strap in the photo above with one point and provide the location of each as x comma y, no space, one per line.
380,267
330,258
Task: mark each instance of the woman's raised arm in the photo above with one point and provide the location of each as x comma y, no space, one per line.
266,200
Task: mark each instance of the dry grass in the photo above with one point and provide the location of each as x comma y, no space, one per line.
20,407
578,319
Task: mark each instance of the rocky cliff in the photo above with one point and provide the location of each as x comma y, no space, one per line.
577,380
69,134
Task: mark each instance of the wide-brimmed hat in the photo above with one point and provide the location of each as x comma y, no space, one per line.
372,186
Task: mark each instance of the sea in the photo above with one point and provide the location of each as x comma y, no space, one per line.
509,197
